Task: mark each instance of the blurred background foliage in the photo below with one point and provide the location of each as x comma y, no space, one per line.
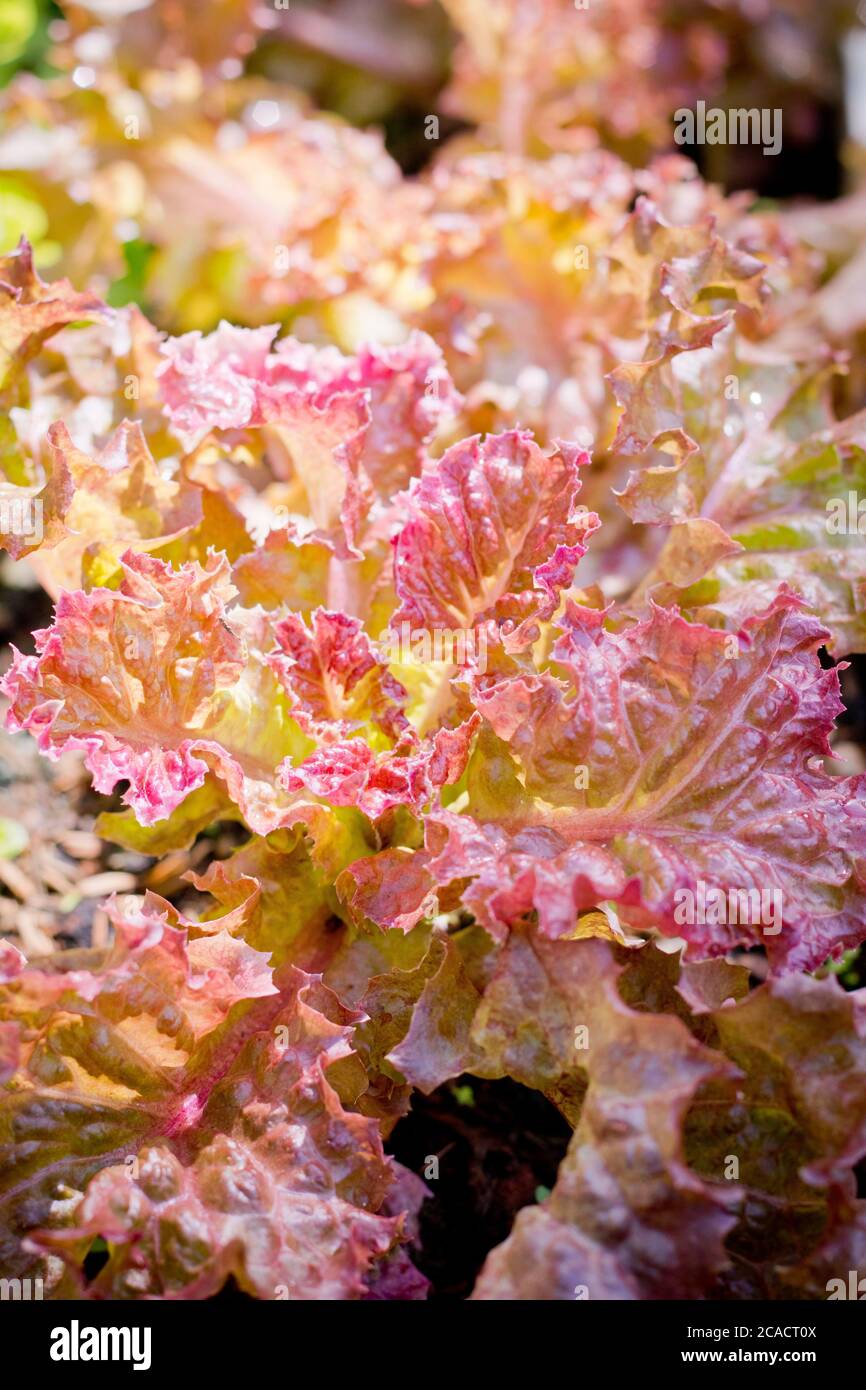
263,124
24,40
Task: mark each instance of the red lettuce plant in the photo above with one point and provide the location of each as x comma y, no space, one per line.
497,821
480,547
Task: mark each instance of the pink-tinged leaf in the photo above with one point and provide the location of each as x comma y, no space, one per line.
323,442
31,311
350,773
692,549
277,891
152,955
335,681
411,394
392,888
231,379
247,1207
12,961
212,382
796,1117
352,429
285,570
627,1218
395,1277
216,1145
355,429
407,387
514,872
103,505
22,519
678,772
493,532
664,1100
419,972
436,1040
154,684
724,433
707,985
740,453
690,280
790,523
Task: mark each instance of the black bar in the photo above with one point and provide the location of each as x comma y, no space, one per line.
232,1337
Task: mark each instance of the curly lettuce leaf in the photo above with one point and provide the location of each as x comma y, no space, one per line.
156,686
334,678
710,1153
493,532
673,773
742,457
31,311
216,1145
